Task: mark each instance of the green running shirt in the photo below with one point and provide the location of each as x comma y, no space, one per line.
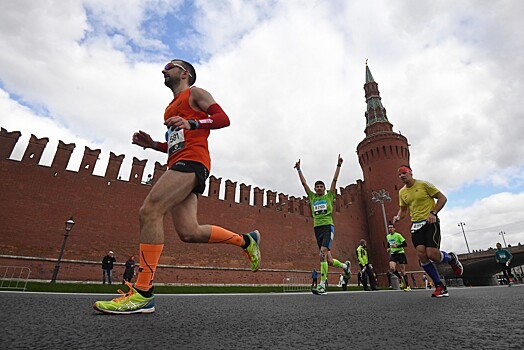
322,208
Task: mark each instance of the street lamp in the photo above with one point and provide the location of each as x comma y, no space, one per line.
462,224
68,226
502,233
380,197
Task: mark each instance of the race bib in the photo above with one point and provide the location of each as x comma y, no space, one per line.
417,225
320,207
175,140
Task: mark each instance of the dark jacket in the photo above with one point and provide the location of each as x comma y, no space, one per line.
107,262
130,269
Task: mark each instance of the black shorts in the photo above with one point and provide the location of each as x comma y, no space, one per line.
428,235
399,258
201,172
324,235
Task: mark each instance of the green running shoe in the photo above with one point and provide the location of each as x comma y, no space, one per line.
253,250
131,302
347,271
319,290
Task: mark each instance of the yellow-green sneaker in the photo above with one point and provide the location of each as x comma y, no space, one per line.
131,302
320,290
253,250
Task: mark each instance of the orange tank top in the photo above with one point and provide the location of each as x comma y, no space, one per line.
186,144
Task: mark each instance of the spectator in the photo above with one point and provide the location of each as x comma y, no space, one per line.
107,266
314,278
414,280
130,270
365,267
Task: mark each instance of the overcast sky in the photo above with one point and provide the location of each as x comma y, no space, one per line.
290,75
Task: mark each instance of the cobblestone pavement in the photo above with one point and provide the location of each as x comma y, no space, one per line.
471,318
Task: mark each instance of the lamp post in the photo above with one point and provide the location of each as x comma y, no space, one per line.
68,226
462,224
502,233
380,197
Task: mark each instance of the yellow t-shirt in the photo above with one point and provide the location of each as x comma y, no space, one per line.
419,199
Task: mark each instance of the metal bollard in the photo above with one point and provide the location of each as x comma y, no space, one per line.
395,282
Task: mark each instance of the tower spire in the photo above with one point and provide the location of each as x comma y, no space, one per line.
369,77
376,118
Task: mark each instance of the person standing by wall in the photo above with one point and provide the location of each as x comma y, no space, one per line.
365,267
418,198
503,258
322,209
107,266
129,271
414,280
189,119
314,279
396,244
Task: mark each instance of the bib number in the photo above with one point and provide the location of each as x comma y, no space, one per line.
320,207
417,226
175,140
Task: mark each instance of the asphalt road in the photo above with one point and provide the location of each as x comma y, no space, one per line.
471,318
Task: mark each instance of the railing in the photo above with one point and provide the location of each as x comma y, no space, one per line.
14,277
454,282
297,284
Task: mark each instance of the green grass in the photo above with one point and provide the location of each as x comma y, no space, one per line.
159,289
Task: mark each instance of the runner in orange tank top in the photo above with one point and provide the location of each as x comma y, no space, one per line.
189,118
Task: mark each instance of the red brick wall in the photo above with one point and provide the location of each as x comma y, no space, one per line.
37,200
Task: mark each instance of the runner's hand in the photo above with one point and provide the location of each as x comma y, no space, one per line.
143,139
177,122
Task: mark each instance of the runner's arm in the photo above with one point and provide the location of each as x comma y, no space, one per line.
441,201
333,187
143,139
206,103
402,211
302,178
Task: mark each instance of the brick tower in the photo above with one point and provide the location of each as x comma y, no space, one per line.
380,154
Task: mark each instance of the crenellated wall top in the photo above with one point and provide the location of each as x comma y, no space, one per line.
243,194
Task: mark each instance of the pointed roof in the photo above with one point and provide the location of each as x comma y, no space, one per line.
375,111
369,77
376,117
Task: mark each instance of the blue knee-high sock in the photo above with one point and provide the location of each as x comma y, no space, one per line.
444,257
431,270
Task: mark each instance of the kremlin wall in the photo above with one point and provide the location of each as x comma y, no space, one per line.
37,200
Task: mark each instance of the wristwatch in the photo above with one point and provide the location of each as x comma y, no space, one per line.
434,213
